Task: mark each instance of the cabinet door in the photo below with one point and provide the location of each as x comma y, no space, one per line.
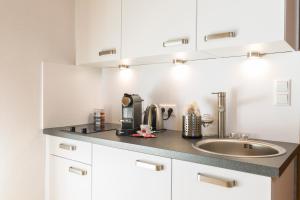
194,181
158,27
69,180
231,23
98,30
120,174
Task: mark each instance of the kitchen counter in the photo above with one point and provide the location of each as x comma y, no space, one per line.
170,144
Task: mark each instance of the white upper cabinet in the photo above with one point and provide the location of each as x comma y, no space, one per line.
231,28
98,31
158,27
145,31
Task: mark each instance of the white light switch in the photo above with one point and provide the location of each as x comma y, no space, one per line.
282,96
282,99
282,86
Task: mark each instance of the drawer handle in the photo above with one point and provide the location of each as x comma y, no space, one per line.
176,42
107,52
67,147
77,171
149,165
216,181
216,36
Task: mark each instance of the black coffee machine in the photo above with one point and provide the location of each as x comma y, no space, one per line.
131,114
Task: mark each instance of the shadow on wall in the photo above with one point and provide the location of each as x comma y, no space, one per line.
236,103
232,114
163,92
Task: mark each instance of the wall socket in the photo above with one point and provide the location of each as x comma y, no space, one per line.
167,107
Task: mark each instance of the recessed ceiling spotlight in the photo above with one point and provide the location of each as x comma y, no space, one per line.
122,66
255,54
179,61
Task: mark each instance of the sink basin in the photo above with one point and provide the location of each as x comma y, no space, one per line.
239,148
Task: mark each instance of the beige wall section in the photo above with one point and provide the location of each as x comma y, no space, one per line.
71,94
32,31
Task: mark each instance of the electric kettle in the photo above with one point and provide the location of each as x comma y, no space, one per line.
153,117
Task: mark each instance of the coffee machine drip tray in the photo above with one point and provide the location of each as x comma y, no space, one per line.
91,128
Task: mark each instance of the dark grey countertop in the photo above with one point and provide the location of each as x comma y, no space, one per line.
170,144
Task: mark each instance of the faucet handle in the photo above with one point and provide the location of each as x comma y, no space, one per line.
206,120
240,136
234,135
245,137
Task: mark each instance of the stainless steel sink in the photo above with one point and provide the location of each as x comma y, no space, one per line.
239,148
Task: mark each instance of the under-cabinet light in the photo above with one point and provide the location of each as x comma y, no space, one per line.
255,54
123,66
179,61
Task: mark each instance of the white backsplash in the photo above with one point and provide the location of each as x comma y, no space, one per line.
248,83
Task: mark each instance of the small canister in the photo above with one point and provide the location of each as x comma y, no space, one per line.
99,117
191,125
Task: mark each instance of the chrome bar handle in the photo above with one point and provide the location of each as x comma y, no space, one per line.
107,52
216,36
216,181
149,165
176,42
67,147
77,171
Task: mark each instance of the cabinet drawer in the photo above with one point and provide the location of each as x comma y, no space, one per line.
195,181
71,149
69,180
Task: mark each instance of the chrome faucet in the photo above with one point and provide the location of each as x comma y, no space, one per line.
221,113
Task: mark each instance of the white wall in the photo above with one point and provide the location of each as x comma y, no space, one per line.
32,31
249,87
71,94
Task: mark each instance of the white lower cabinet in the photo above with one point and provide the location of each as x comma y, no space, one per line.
191,181
120,174
68,180
117,174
